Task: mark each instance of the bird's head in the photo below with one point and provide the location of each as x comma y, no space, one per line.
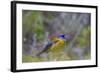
62,36
67,37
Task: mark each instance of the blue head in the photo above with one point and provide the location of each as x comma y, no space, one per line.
65,37
62,36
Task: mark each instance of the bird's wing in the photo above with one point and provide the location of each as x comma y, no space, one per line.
45,48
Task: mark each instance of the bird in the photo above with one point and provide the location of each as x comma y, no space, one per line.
56,45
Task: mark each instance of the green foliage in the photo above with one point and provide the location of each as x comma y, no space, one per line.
34,23
27,59
88,56
84,39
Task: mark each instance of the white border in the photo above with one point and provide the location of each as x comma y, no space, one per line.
34,65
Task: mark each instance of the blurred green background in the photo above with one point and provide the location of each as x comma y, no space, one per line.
37,26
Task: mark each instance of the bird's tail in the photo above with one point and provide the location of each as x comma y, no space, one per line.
45,49
38,55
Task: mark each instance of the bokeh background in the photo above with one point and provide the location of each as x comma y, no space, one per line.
38,26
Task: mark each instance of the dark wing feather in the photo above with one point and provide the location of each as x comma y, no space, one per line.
45,48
